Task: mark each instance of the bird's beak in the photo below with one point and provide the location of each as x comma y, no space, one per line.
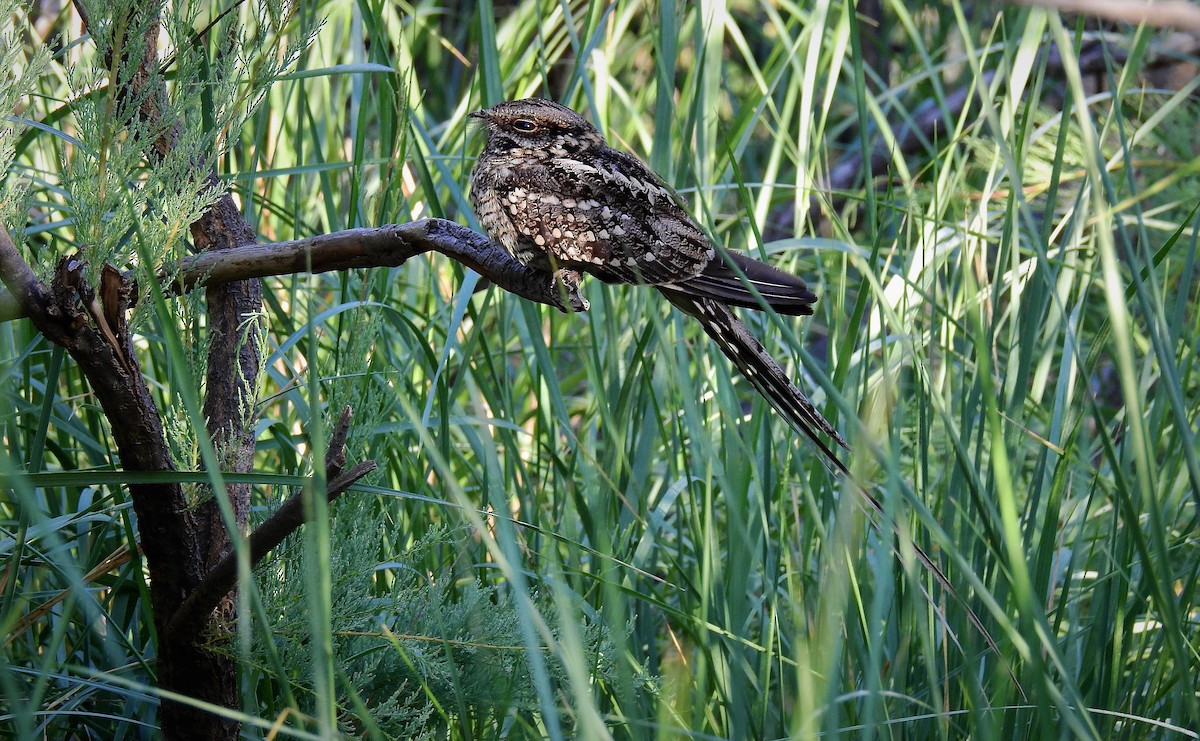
481,114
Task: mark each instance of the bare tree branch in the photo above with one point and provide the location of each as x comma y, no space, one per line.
71,314
233,310
222,578
25,294
388,246
187,544
385,246
235,323
1179,14
918,132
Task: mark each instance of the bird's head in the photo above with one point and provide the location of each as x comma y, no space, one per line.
537,125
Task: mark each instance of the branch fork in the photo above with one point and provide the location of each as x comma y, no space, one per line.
194,613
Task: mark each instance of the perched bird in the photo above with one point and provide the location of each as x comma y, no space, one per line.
550,190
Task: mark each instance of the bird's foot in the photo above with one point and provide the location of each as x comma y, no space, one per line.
568,283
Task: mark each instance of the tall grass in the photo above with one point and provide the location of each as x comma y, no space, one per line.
587,526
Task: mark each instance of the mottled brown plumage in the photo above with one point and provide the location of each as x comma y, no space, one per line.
551,191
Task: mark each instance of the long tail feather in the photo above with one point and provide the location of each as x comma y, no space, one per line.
750,358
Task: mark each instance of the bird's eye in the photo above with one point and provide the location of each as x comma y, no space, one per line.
525,125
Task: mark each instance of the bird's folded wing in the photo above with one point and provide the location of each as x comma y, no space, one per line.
739,280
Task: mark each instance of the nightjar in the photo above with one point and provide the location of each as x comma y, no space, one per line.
550,190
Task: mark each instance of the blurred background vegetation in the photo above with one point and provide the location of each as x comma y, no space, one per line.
584,526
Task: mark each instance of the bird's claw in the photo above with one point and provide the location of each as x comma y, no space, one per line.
568,283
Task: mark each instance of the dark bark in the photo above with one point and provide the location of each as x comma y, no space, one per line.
69,313
233,312
188,548
1168,64
222,578
191,579
185,666
385,246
